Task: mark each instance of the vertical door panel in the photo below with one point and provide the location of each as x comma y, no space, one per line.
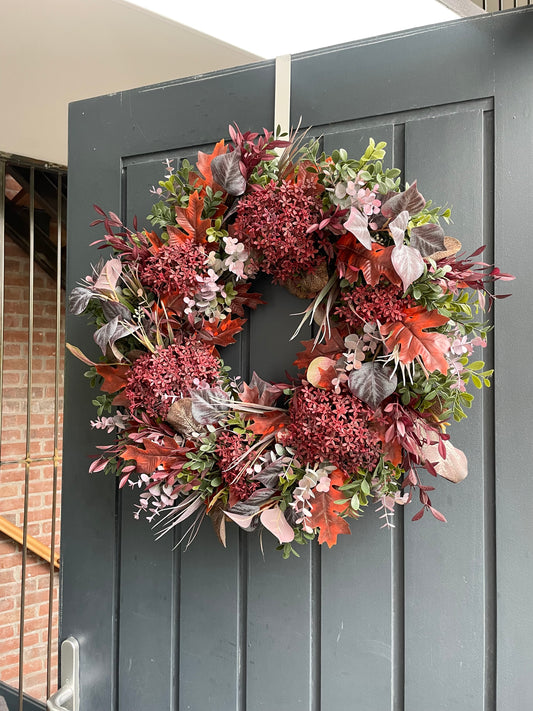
444,563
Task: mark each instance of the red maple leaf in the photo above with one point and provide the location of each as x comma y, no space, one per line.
147,459
415,342
244,298
325,512
354,258
114,377
332,347
221,333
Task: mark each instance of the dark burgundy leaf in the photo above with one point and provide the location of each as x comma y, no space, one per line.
419,515
270,475
438,515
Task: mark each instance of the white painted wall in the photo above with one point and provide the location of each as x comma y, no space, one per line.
56,51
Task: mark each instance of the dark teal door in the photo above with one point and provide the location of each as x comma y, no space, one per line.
431,617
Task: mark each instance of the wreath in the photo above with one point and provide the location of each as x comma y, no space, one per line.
394,305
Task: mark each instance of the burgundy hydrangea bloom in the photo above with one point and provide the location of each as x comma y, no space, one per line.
273,222
230,446
155,380
365,304
333,427
174,268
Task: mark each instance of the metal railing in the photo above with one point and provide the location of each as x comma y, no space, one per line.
28,216
499,5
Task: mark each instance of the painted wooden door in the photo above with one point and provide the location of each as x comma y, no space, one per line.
430,616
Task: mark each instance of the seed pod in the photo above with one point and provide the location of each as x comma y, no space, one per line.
180,417
452,246
309,285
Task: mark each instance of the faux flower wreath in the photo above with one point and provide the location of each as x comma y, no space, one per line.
395,308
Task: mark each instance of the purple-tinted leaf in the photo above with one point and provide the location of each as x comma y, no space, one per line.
109,276
428,239
79,299
269,475
398,226
246,522
275,522
410,200
253,503
408,264
209,405
114,309
226,172
108,334
372,383
357,224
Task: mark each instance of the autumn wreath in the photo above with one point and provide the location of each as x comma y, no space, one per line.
395,309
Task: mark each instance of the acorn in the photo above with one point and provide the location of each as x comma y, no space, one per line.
310,284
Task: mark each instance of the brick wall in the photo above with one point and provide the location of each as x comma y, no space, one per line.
41,471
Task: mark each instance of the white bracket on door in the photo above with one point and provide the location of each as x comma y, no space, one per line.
282,95
67,697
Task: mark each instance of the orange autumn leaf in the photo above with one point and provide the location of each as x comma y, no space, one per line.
267,422
147,459
414,341
373,263
325,512
114,377
155,241
190,218
204,163
177,236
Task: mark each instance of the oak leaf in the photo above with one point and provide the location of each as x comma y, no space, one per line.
190,218
373,263
147,459
325,512
221,333
332,347
413,340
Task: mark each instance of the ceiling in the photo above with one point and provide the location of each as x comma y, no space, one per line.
56,51
53,52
